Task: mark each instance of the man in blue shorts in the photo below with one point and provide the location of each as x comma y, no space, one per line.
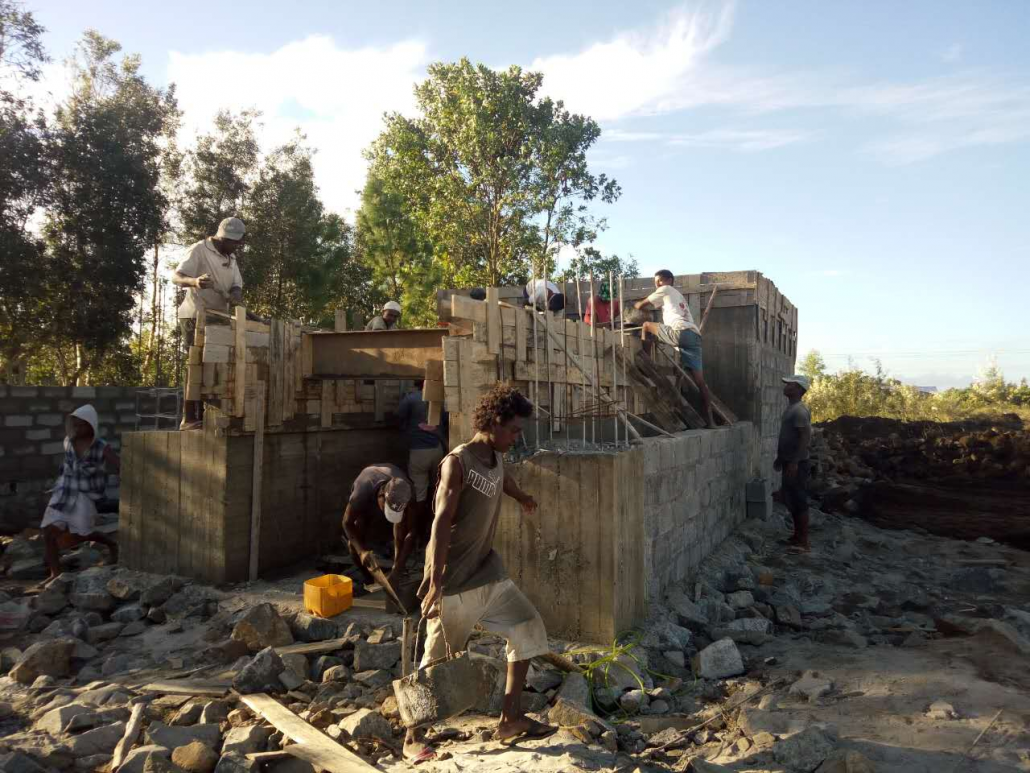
677,329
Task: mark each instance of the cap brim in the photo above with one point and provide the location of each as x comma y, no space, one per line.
394,516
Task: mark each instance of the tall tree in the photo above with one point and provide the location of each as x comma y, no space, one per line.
108,209
24,186
494,175
217,174
297,255
589,259
812,365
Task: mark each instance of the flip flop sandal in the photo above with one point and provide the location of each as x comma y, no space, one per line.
798,550
423,756
535,731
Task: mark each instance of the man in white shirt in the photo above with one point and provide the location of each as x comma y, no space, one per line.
388,319
212,280
546,296
677,329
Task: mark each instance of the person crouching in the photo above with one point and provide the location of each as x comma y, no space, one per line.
71,514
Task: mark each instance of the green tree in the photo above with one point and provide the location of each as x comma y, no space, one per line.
493,175
24,186
298,257
589,259
217,175
812,365
108,208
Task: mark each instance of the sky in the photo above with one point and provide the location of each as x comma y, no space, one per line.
871,158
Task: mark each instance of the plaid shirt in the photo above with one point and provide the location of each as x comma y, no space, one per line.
85,476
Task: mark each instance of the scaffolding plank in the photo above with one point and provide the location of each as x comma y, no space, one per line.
376,354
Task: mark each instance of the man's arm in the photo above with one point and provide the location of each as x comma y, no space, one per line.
186,274
643,305
352,519
511,488
447,494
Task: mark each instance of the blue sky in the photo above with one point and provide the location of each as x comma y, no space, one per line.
870,157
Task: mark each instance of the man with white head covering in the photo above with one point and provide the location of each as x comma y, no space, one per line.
388,319
71,514
212,280
379,491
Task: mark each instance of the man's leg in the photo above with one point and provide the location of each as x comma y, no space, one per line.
191,409
103,539
51,553
706,396
403,542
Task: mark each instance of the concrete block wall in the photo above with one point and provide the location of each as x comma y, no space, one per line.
32,430
694,497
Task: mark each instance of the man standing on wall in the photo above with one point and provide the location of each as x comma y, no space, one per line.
677,329
212,280
792,458
465,583
601,309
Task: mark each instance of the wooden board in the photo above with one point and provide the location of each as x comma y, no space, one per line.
463,307
396,354
434,370
255,496
202,687
275,373
432,391
493,321
312,745
240,356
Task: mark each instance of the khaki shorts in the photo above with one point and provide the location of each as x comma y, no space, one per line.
421,463
500,608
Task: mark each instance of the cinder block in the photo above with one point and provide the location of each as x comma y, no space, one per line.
24,391
52,448
39,407
18,421
54,392
37,434
125,405
84,392
24,450
50,419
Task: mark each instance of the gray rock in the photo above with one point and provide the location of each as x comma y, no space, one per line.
676,657
297,663
369,657
129,613
262,627
575,689
157,764
373,680
846,761
310,628
717,611
289,680
741,599
565,714
214,712
674,636
157,615
336,674
159,593
51,601
84,651
104,632
845,638
804,751
174,737
322,664
246,740
136,759
690,615
50,657
133,629
236,763
811,686
56,720
719,660
633,701
261,674
102,740
122,589
92,763
658,707
789,615
188,714
542,679
941,710
195,757
978,579
365,723
19,762
381,635
757,624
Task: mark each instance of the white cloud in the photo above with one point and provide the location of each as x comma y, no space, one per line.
335,96
636,72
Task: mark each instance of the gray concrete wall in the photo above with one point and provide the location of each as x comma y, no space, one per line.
694,497
32,429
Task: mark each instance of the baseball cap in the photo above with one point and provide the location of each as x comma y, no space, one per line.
801,381
396,498
392,306
231,228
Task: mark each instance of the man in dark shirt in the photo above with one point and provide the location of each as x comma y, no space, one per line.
425,452
380,491
792,458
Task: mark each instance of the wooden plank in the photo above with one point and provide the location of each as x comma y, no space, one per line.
398,354
194,382
606,547
568,540
275,374
196,355
434,370
203,687
240,355
215,353
310,744
306,358
328,402
463,307
493,321
340,321
718,407
434,415
132,730
432,391
255,490
521,335
313,648
590,535
220,335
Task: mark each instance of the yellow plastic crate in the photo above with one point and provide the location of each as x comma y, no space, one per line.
328,595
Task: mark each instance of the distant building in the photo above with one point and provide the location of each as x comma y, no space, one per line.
926,390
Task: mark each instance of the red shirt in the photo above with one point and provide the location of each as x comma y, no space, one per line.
605,311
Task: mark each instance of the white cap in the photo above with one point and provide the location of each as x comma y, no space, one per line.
801,381
395,499
392,306
231,228
89,415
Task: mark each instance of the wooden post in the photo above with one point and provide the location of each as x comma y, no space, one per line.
708,309
240,375
255,488
340,322
615,366
579,353
597,379
550,384
407,646
622,344
536,362
493,321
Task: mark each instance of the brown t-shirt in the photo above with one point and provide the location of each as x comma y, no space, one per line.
472,561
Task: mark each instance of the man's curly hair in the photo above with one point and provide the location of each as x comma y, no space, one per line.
503,403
